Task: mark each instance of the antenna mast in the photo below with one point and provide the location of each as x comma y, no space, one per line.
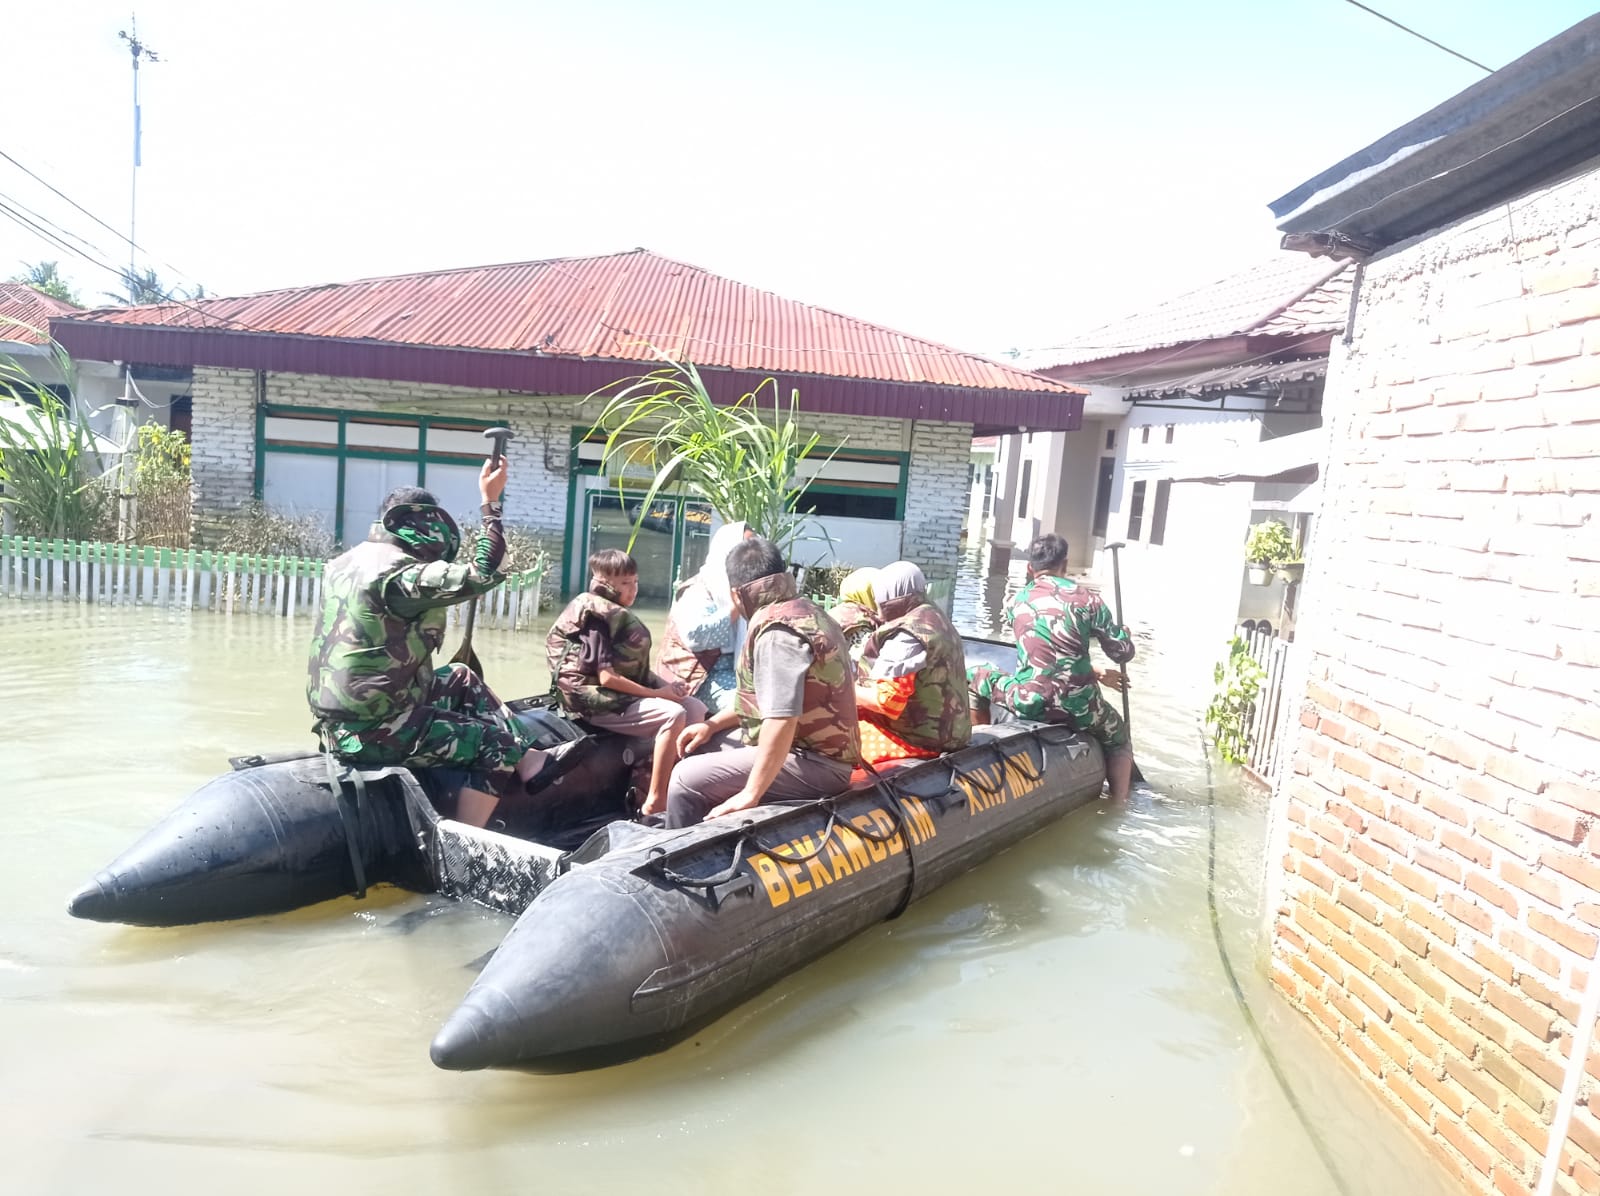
138,50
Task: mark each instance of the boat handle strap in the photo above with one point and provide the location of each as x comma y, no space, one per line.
349,810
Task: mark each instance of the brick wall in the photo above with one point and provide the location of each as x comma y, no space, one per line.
1440,885
224,449
936,495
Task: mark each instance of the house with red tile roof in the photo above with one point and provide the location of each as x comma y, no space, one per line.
318,400
1183,389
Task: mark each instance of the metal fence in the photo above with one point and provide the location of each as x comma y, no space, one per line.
1271,652
191,579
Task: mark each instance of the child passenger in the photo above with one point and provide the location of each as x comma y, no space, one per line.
599,655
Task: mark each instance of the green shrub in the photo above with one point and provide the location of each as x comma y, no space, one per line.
257,531
1270,544
50,465
1238,681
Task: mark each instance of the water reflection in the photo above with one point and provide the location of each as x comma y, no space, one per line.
1056,1020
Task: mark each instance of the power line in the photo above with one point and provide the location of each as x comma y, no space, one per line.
1437,45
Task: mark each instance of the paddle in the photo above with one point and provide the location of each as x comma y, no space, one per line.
1116,589
464,654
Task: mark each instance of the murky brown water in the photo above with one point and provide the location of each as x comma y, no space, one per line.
1056,1021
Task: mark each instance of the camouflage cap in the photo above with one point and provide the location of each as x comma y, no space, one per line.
426,529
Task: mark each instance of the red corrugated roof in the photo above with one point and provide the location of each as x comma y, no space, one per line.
25,313
611,308
1291,294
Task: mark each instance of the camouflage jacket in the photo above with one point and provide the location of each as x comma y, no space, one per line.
581,692
856,621
938,717
1054,620
828,724
677,661
382,619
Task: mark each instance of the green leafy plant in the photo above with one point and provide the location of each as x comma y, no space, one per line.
1238,680
256,530
45,278
740,457
50,465
1270,543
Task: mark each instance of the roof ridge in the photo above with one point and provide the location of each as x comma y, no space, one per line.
1285,306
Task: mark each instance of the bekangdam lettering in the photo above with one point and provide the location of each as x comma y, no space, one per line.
802,866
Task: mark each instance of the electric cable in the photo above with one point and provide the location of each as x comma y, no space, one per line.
1424,37
1273,1065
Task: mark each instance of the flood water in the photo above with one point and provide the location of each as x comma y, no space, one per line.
1057,1021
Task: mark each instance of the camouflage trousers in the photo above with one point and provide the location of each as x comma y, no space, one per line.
1038,699
462,725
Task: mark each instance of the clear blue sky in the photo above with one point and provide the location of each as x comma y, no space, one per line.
993,174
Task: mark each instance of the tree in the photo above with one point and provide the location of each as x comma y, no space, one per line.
145,286
46,279
736,456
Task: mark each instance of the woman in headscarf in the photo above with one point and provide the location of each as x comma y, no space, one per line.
912,686
701,642
857,610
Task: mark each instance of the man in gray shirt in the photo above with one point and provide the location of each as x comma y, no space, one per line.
796,703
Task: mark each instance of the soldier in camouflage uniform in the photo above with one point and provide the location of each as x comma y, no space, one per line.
912,687
376,696
796,704
1054,619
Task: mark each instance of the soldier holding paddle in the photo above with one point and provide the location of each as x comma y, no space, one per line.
376,695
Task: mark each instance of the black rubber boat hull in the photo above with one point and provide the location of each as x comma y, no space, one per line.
662,931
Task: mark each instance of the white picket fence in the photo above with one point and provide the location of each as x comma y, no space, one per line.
1270,651
193,579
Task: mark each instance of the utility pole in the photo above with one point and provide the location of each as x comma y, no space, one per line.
127,472
137,49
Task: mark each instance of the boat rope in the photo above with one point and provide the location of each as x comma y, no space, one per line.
892,798
1256,1032
350,808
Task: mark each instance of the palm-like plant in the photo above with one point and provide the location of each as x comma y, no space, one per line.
740,457
49,461
46,278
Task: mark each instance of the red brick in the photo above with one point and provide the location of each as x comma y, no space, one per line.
1462,971
1556,821
1463,751
1390,836
1584,1132
1474,1079
1412,938
1491,960
1450,1029
1338,731
1569,937
1371,996
1340,864
1361,714
1475,1016
1468,912
1418,882
1545,888
1348,1007
1527,1087
1354,954
1390,895
1307,971
1529,951
1363,1050
1487,791
1494,894
1408,820
1467,1144
1350,817
1579,868
1437,803
1402,1086
1392,1045
1449,1093
1507,1184
1360,904
1484,1124
1466,847
1379,943
1520,1123
1441,928
1367,799
1445,866
1317,876
1356,766
1424,977
1516,770
1537,990
1588,911
1579,797
1303,843
1371,854
1323,1012
1518,1008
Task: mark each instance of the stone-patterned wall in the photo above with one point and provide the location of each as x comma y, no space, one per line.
936,494
1441,888
224,449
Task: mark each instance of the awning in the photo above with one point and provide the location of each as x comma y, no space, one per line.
1292,458
1266,378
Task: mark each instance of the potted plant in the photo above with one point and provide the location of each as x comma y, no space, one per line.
1269,545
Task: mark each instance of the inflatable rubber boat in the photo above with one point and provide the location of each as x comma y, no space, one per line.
628,936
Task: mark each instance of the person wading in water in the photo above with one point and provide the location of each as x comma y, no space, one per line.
376,696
